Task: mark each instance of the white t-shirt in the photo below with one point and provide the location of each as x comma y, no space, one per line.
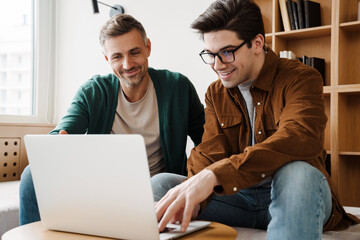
141,117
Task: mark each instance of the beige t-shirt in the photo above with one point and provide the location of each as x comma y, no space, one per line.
141,118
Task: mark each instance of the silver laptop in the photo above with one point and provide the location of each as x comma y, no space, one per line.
96,185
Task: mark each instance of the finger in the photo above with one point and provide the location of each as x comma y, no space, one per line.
160,210
165,202
63,132
171,211
162,200
196,211
178,216
162,205
189,208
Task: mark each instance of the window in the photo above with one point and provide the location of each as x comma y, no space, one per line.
26,60
3,79
3,60
15,43
2,99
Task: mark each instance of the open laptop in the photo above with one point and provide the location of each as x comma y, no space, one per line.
96,185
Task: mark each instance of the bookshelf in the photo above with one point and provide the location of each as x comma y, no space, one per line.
337,40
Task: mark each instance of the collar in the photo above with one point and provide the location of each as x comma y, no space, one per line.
268,71
266,75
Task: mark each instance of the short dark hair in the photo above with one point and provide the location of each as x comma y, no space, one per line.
241,16
118,25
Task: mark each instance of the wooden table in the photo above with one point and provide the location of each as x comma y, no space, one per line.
36,231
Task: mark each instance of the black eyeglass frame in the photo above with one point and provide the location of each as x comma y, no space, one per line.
203,52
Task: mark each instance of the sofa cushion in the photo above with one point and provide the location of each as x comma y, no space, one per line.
9,205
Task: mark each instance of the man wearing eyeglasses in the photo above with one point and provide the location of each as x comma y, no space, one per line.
261,160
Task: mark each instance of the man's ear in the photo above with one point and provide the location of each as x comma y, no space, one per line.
258,43
148,47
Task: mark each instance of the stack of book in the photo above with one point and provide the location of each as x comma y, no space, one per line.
317,63
299,14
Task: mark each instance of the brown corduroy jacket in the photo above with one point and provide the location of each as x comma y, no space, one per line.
289,126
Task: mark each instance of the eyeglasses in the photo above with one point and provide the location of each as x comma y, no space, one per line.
226,56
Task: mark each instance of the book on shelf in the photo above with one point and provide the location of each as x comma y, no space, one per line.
284,15
301,15
318,64
312,14
290,14
295,14
287,54
304,59
291,55
359,11
283,54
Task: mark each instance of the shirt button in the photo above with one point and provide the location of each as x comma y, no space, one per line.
263,175
259,132
222,124
258,103
235,189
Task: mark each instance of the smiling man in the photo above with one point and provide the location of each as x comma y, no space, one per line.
261,160
160,105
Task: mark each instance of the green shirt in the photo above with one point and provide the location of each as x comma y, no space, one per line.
181,113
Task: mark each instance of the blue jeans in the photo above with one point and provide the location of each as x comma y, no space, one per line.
29,211
295,206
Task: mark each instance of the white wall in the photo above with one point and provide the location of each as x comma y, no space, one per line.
175,46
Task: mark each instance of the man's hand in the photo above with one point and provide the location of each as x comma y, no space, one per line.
63,132
181,201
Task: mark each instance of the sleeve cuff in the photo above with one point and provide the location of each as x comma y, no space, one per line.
228,177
